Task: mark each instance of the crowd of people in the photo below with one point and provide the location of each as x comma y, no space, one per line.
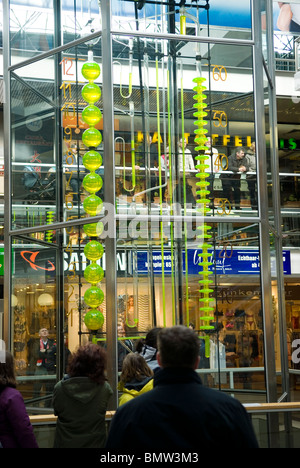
162,401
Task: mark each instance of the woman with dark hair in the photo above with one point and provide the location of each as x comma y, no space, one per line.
148,348
136,378
80,400
15,427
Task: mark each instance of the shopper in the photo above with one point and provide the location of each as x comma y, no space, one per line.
15,428
80,400
186,162
237,165
136,378
125,346
180,414
148,348
42,361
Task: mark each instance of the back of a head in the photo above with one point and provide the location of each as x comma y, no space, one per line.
89,361
149,340
178,347
135,367
151,337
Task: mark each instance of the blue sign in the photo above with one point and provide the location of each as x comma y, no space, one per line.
224,262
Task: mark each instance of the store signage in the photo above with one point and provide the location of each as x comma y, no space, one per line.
232,262
32,259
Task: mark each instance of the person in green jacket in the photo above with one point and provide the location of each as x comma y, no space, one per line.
136,378
80,400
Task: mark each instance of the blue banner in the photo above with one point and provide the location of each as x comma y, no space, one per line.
224,262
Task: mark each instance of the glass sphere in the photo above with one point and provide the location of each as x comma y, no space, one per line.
93,296
93,205
93,229
91,115
93,250
94,273
92,182
92,160
90,70
91,137
91,93
94,319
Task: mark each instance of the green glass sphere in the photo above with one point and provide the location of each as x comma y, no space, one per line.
92,160
91,93
91,137
93,229
91,115
90,70
94,319
93,205
93,296
94,273
92,182
93,250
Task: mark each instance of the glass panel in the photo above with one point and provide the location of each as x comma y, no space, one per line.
79,19
34,326
31,28
161,256
147,126
33,156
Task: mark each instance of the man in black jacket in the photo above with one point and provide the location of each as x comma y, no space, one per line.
238,165
180,414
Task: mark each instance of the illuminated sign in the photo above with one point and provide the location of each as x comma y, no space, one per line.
31,258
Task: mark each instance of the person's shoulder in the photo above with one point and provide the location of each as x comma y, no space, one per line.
11,395
135,404
9,392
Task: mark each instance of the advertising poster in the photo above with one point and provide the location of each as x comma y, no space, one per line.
287,17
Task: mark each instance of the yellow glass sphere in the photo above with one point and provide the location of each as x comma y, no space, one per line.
92,182
91,93
90,70
91,137
92,160
93,250
94,319
93,229
91,115
93,205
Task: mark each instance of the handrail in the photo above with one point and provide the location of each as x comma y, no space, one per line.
250,408
51,418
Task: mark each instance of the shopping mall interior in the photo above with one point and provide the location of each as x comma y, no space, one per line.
175,126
